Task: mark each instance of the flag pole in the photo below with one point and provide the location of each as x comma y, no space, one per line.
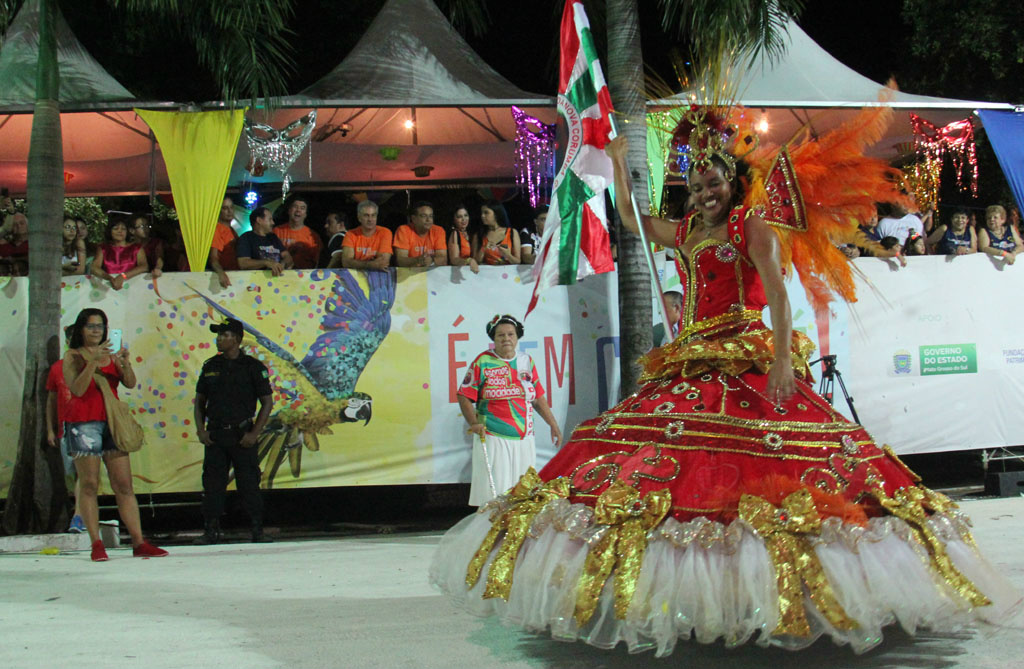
648,254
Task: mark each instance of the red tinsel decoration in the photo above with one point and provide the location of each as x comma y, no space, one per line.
932,143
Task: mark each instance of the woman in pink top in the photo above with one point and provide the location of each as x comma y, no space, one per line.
87,434
116,260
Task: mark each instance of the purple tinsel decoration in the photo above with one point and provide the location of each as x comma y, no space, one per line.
535,155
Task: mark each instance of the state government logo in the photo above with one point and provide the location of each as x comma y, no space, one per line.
902,362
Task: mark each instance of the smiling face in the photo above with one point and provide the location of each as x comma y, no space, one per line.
297,213
995,219
461,220
959,222
505,340
711,194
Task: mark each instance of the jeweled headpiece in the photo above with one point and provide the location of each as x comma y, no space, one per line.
702,135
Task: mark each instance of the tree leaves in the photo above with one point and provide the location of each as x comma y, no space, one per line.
717,28
245,44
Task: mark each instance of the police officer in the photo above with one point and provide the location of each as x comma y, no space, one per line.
226,395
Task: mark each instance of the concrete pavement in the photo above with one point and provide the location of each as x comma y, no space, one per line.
364,602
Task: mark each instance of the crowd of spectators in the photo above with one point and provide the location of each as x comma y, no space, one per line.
420,237
423,236
897,234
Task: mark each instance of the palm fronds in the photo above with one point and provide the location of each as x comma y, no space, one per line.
746,28
245,44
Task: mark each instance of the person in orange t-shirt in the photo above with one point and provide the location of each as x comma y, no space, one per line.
222,250
420,243
368,246
303,244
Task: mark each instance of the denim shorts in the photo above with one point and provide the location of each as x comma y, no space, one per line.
90,438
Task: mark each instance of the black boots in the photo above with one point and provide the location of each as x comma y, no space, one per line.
258,537
211,535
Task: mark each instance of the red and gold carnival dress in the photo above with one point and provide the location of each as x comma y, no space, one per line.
697,508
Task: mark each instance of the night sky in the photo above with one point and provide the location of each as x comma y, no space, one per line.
521,44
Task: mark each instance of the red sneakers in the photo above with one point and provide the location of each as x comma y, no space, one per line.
148,550
99,553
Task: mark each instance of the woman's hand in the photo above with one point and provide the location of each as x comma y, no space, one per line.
117,281
781,382
121,358
51,438
556,436
617,148
477,429
474,266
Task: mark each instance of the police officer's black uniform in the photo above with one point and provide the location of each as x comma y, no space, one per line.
231,389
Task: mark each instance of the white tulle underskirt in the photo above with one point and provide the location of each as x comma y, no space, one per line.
707,581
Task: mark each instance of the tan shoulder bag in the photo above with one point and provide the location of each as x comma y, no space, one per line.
127,433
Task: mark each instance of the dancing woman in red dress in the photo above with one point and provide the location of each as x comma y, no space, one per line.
726,499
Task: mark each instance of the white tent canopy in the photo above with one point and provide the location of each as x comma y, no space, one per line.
410,56
84,84
414,84
806,86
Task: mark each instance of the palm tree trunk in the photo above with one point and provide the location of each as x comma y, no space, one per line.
36,500
625,82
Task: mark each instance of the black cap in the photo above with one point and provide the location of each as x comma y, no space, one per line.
228,325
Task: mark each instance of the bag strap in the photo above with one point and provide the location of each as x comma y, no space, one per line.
104,386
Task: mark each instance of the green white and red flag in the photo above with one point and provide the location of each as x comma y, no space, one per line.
575,242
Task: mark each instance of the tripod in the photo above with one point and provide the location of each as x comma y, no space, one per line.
829,375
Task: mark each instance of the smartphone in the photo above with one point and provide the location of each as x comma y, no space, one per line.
114,337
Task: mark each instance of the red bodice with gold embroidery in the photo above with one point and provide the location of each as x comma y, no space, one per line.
702,425
719,281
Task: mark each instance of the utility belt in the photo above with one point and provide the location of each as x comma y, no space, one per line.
245,425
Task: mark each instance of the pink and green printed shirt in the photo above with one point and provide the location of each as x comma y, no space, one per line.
504,391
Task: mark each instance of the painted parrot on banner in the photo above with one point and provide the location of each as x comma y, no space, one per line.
320,390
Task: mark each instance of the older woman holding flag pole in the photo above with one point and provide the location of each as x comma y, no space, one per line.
498,396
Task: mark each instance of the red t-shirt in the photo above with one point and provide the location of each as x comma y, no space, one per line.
89,407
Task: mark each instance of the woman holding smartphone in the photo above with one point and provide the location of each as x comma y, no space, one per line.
88,435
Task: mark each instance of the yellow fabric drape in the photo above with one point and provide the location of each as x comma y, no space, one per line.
198,149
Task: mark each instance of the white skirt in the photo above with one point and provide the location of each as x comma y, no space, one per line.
498,464
708,581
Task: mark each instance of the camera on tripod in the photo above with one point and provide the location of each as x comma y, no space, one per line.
829,374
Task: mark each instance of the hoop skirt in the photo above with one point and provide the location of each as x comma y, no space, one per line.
698,508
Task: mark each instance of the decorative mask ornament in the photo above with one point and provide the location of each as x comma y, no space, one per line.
278,149
535,155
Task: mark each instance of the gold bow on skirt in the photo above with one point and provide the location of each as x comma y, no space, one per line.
786,530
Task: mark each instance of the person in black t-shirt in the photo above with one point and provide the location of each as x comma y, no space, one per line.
260,248
336,227
228,389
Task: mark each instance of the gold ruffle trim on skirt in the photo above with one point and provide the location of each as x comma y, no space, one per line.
733,354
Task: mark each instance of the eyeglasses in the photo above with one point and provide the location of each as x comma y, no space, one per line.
93,326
